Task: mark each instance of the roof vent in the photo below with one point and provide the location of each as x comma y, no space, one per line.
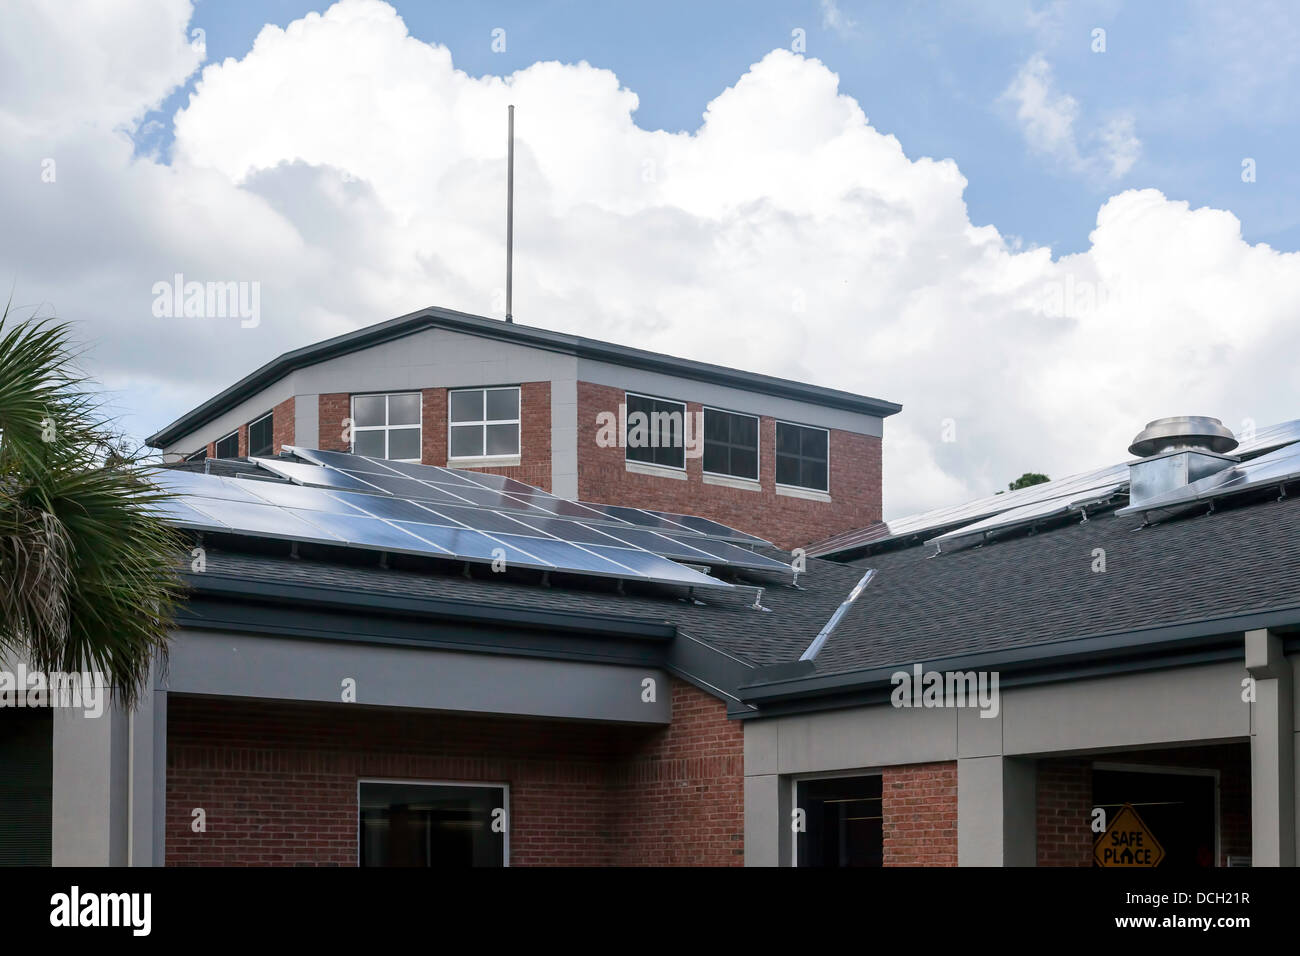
1175,452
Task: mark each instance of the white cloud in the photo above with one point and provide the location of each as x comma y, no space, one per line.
1049,120
356,174
833,18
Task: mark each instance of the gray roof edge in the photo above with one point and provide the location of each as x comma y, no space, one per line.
1044,653
436,317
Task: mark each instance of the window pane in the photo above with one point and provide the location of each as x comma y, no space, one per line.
814,443
467,441
787,439
404,409
670,457
814,475
715,456
503,439
716,426
787,470
744,431
368,409
442,826
260,438
842,822
369,443
404,443
467,406
502,405
228,447
744,463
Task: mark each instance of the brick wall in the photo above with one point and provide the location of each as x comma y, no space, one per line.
282,425
1065,800
534,466
919,814
855,482
278,781
681,792
333,408
1064,813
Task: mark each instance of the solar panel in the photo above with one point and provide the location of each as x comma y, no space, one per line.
1021,517
304,513
964,514
521,496
1268,438
314,475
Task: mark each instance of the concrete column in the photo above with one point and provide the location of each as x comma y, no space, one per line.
767,821
90,787
1272,752
996,811
148,779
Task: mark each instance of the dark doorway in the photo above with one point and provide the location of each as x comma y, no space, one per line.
842,822
1177,808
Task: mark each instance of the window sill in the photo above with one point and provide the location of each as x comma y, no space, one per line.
790,491
726,481
655,471
509,461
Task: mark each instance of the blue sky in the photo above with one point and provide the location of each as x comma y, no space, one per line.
1205,89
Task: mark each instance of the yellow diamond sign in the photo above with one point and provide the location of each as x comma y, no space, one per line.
1127,842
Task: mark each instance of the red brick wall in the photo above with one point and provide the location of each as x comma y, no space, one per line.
1064,813
919,814
333,408
278,781
681,798
855,488
282,425
534,466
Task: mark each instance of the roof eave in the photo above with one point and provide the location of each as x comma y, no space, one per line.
579,346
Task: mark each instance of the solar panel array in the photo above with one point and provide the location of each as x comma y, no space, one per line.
1038,501
1074,487
463,516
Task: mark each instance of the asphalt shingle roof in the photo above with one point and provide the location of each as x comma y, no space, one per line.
1041,588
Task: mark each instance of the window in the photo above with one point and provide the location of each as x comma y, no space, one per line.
655,431
387,426
801,456
484,423
227,447
436,825
730,444
199,455
842,822
260,436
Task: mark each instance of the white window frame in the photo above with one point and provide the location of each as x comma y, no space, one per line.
634,463
257,420
776,455
385,428
758,445
234,435
503,787
513,457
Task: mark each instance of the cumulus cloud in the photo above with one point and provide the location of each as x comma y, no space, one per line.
356,174
1049,120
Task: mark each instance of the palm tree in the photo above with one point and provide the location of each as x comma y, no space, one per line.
87,568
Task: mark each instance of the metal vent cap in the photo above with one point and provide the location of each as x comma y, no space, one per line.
1183,432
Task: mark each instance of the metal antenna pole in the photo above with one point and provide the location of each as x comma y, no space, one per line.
510,214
